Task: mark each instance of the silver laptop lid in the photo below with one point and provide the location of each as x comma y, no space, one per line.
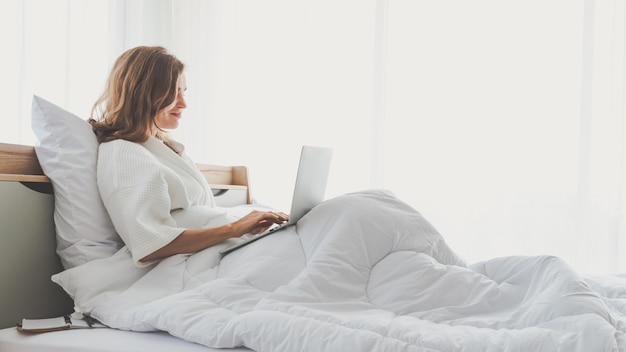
311,180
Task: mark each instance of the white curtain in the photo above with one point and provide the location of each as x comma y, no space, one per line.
501,121
512,116
62,50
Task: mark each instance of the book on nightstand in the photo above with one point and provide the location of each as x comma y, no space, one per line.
66,322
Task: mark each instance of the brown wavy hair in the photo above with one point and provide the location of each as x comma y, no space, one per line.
142,82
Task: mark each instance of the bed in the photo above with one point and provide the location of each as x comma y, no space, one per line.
362,271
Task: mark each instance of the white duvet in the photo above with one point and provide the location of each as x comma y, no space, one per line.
360,272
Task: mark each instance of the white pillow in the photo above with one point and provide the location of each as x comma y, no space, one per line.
67,150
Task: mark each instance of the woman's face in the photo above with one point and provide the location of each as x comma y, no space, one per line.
168,118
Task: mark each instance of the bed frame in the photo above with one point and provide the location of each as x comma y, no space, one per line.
27,237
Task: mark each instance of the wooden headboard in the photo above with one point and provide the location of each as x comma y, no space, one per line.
19,163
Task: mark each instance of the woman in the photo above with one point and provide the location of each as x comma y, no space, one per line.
158,200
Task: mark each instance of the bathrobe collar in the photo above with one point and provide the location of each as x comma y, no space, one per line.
182,162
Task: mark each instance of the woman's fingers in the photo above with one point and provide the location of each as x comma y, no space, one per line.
258,221
280,217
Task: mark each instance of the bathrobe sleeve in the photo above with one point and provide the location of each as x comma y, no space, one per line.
138,192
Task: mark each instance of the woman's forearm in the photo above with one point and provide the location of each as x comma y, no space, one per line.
193,240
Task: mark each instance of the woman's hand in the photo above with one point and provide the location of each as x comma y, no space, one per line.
257,221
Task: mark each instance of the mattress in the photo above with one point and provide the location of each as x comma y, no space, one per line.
97,340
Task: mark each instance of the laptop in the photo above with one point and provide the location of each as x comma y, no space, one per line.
308,192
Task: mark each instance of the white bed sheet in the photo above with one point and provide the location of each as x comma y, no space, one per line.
98,340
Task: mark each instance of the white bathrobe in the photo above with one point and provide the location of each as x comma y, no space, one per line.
153,194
